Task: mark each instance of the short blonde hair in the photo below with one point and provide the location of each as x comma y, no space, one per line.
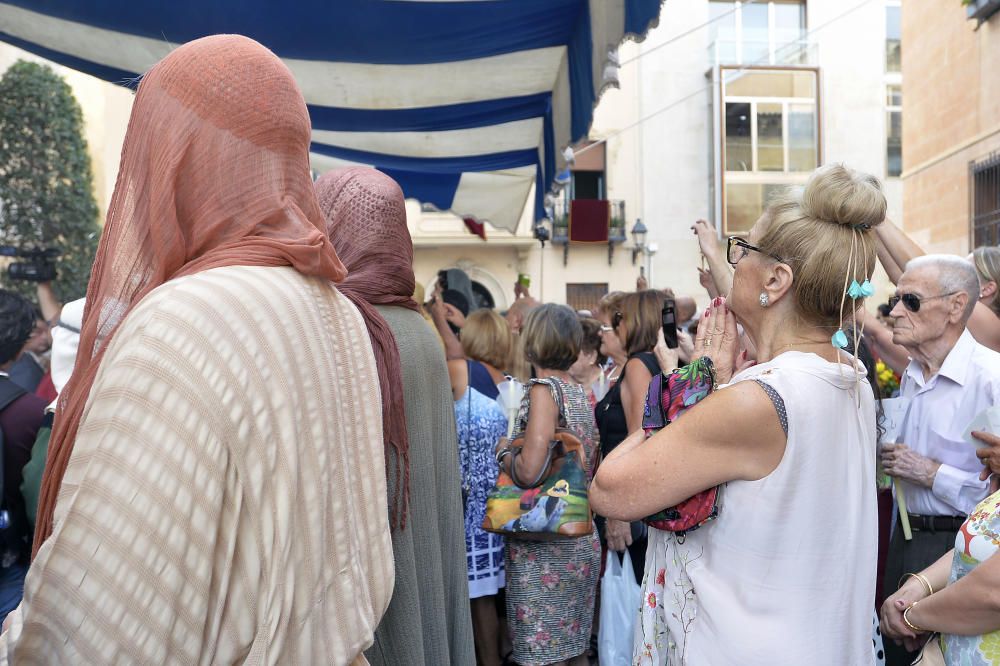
815,232
552,335
486,338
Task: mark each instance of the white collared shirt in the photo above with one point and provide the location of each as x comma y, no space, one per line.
941,410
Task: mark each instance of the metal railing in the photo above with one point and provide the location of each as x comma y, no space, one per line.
733,52
984,195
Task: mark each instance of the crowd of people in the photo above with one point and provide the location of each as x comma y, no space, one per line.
259,439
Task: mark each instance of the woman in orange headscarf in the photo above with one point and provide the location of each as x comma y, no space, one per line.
215,485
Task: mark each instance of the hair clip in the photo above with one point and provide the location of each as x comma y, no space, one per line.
839,340
864,226
863,290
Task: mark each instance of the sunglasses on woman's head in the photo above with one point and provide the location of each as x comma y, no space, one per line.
912,302
616,319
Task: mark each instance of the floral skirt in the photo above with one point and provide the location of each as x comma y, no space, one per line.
550,597
652,644
668,592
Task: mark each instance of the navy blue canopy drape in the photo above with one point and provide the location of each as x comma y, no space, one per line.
466,104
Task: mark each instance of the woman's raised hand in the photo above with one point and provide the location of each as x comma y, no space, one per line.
708,238
718,339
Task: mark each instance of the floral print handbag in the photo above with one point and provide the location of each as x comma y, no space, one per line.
669,396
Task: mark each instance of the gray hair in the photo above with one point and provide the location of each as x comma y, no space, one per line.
954,275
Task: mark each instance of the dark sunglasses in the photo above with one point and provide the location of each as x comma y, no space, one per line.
739,248
912,302
616,319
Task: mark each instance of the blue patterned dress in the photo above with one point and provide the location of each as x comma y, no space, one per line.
481,423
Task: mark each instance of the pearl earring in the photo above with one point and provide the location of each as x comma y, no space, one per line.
764,300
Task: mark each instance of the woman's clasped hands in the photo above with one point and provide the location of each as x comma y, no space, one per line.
718,339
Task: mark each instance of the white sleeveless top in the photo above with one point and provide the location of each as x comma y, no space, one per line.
786,573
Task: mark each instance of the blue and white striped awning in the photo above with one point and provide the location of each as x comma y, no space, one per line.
465,103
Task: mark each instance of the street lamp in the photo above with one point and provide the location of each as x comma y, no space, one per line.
638,239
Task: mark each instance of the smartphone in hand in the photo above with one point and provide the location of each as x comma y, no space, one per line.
669,322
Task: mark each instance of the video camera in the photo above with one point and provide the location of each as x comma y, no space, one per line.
38,267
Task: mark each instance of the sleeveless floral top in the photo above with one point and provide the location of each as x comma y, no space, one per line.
977,540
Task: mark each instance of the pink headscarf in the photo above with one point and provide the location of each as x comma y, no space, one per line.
366,220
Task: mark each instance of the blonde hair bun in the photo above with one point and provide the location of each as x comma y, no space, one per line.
815,230
838,194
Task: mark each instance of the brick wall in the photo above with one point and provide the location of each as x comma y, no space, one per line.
951,117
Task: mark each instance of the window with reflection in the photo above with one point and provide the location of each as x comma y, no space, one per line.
894,130
758,33
746,201
802,137
756,40
739,148
770,138
893,39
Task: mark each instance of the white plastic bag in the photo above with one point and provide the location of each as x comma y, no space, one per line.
621,598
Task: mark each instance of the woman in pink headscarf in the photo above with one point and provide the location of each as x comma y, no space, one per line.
428,620
214,490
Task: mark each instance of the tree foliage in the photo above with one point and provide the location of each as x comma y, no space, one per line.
46,183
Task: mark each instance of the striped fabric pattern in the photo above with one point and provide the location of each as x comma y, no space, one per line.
466,104
226,498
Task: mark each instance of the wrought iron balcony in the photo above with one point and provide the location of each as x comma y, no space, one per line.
563,212
596,221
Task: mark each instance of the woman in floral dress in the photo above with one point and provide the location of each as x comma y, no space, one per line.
551,584
956,595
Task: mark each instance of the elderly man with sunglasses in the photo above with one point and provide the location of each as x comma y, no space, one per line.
950,379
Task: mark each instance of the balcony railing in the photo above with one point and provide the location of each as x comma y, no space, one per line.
616,226
587,230
733,52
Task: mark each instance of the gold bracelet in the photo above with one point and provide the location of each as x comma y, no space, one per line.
923,579
906,619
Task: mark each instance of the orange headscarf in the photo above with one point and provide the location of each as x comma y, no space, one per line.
214,172
366,217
